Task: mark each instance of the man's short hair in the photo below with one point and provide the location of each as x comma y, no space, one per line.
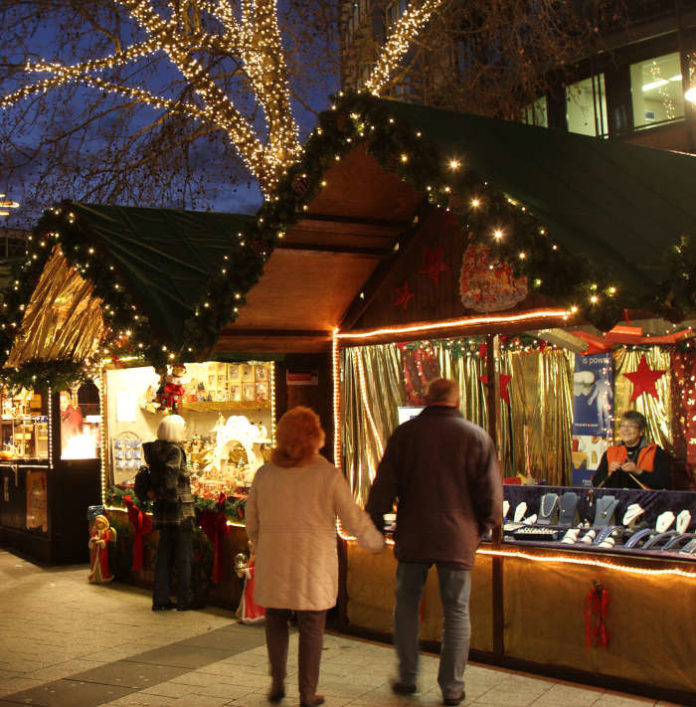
635,418
442,391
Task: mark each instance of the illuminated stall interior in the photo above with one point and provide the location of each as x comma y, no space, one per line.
229,413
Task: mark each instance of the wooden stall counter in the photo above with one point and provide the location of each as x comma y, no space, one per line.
547,611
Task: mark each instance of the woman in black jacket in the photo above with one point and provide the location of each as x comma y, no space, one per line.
174,514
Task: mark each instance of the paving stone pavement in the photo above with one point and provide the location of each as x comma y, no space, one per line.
66,643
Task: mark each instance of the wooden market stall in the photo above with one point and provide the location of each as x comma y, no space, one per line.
505,251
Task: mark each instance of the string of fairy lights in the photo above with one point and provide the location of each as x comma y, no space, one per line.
252,37
405,29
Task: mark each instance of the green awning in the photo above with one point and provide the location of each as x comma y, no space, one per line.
620,205
166,257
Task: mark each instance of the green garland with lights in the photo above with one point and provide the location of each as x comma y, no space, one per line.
354,119
358,119
232,508
128,330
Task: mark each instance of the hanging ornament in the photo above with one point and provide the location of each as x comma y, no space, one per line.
644,379
403,296
434,263
503,382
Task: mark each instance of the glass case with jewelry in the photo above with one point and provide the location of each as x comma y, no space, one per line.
646,522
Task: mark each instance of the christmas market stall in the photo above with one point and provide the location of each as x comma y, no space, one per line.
207,315
106,327
551,275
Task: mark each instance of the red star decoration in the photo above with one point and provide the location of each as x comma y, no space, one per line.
504,382
434,264
403,296
644,379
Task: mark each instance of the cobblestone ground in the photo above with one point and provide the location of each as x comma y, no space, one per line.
66,643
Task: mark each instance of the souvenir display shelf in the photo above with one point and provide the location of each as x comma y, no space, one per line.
228,408
49,472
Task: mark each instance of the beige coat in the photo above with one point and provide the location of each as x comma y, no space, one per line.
291,519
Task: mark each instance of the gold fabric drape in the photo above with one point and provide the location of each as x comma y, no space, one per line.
541,414
63,321
372,390
657,411
534,430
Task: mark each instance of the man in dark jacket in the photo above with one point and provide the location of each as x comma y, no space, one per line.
173,514
443,473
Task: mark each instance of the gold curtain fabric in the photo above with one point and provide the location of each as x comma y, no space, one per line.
63,321
372,390
541,414
658,412
534,429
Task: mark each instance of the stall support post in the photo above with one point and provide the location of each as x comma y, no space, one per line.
497,565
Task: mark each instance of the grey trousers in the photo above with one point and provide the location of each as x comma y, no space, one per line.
455,587
311,627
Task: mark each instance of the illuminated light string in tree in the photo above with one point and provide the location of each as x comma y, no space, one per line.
251,37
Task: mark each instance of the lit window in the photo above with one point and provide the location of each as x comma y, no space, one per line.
656,91
586,107
536,113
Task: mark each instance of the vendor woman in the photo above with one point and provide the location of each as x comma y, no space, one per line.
635,463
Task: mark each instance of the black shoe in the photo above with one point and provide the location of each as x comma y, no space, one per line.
166,606
454,700
314,702
402,688
276,696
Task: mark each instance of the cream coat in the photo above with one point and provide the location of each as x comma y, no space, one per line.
291,519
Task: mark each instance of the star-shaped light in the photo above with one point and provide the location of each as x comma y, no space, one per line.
434,264
403,296
644,379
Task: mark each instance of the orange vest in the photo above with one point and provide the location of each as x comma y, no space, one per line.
646,456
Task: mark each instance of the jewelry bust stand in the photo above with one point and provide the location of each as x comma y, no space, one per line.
568,508
604,511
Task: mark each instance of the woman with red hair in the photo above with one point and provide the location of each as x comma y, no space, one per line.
291,520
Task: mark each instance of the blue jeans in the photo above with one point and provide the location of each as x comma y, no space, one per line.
174,548
455,587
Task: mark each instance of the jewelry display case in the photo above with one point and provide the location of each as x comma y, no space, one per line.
637,522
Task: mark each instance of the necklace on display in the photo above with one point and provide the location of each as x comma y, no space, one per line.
546,509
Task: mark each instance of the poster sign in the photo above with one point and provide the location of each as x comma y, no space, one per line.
593,393
37,501
309,378
593,414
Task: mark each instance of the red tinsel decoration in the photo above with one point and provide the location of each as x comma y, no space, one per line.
596,609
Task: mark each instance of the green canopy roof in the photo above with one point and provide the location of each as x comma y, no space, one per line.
168,279
166,257
615,203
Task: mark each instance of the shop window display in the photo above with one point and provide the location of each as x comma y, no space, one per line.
24,425
228,413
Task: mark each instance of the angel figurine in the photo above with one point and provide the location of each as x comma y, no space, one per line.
248,611
102,535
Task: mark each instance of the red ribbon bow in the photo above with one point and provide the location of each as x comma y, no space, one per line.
214,525
596,609
142,525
